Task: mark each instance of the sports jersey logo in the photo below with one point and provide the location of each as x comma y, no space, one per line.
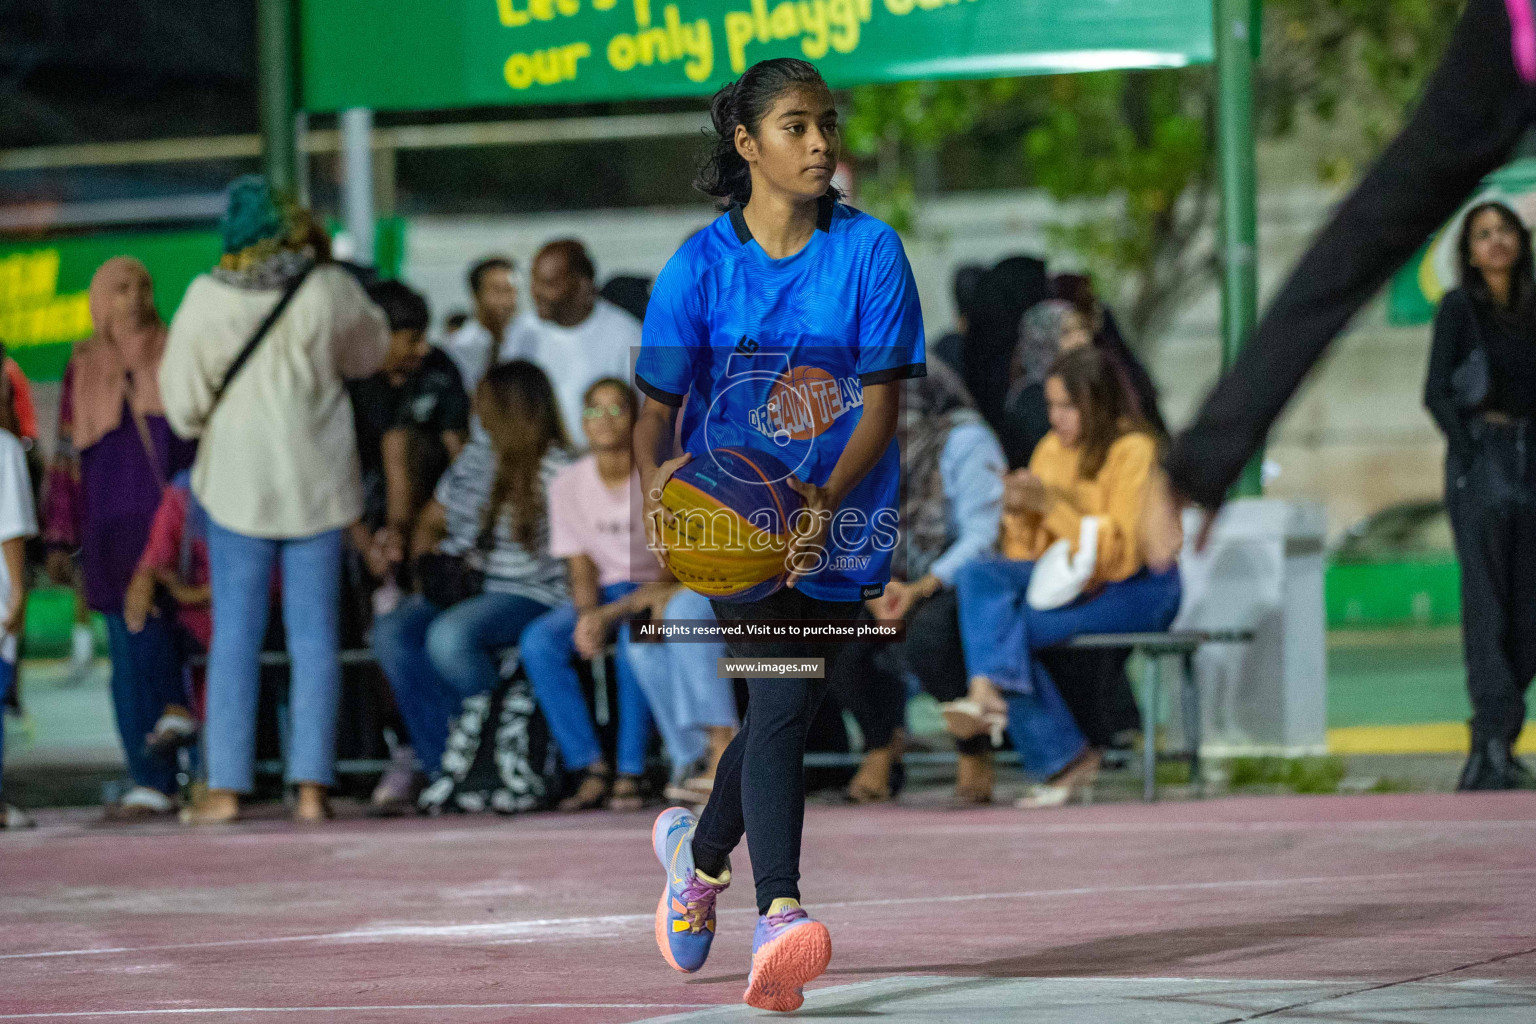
805,402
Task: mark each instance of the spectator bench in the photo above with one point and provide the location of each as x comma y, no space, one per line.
1155,648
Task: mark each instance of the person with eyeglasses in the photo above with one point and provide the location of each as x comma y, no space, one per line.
594,517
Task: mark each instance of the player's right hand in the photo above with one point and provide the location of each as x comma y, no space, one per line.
656,514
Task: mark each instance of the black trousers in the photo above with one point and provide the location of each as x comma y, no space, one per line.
1491,496
760,781
1471,115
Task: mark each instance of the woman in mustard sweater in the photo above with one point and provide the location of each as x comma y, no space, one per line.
1085,484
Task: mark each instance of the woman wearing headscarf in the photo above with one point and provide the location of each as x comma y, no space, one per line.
1045,331
115,453
953,470
277,472
1078,290
992,330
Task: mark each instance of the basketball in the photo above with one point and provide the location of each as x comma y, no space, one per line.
731,511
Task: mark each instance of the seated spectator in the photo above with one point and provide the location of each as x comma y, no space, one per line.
412,419
18,522
575,335
174,571
953,472
1003,294
695,710
482,559
1046,330
277,471
1078,290
1094,464
950,348
593,512
483,340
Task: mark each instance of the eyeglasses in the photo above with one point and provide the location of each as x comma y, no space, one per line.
592,412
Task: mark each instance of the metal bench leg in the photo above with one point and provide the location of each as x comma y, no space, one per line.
1152,678
1191,704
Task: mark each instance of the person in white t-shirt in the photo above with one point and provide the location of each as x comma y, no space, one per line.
576,336
18,521
488,336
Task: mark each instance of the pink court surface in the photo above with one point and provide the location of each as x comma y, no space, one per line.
1400,909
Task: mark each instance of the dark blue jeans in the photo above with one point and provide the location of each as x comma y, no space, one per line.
434,659
1001,632
146,676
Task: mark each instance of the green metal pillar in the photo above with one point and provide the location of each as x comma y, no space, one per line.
1236,27
277,70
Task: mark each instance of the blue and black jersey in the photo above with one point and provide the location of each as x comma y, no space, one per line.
773,355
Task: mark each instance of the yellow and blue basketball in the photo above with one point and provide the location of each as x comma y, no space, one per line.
728,529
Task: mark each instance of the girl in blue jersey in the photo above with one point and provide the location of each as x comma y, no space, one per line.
785,326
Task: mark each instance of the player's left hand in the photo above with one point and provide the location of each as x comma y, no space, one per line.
808,530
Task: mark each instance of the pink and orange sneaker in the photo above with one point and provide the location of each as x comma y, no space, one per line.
788,950
685,917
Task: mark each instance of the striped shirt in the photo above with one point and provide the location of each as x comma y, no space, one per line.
510,568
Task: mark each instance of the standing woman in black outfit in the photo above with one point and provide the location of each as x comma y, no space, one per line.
1482,392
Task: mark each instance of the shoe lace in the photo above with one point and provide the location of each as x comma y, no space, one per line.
699,897
788,916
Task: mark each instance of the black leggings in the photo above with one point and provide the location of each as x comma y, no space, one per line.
767,757
1469,119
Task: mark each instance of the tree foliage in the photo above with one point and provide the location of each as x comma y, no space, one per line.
1136,149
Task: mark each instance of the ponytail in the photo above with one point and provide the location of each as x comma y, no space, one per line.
725,174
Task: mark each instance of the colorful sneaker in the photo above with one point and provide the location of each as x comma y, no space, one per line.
685,917
788,950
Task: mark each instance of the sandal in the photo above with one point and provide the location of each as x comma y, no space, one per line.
593,791
626,794
966,719
1073,784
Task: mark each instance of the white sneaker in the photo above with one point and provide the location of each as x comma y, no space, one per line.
143,800
14,817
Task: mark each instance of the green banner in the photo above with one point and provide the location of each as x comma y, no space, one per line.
43,304
411,54
1415,291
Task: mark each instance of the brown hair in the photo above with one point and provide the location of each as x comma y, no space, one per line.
517,406
631,400
1096,392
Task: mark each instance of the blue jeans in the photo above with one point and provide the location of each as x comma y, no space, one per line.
1000,633
242,591
679,681
434,659
146,676
549,650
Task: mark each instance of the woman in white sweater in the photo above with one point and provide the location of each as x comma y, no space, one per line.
278,473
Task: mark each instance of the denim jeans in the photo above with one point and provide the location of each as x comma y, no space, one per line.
434,659
242,568
1001,632
146,677
678,680
548,651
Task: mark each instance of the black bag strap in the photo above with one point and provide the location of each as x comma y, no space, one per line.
261,332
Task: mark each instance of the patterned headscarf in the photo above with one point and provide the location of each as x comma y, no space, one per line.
1040,330
932,406
263,247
